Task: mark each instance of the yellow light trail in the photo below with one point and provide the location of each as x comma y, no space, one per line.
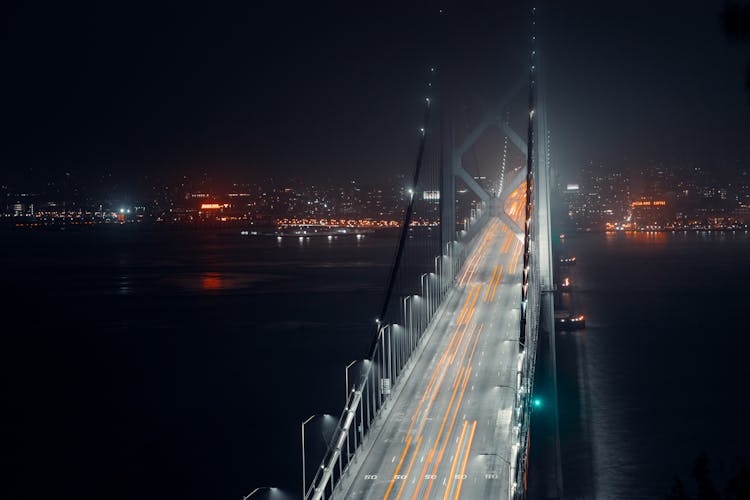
398,468
466,459
455,460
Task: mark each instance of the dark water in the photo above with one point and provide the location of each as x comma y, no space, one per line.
175,365
661,372
180,365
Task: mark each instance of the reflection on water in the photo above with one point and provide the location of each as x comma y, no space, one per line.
215,281
566,301
614,237
151,353
124,285
647,236
212,281
639,386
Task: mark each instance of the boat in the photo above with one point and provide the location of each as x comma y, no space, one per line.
566,284
568,322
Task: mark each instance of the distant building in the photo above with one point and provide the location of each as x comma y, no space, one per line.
600,199
573,200
649,213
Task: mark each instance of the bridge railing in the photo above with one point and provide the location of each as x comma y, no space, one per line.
379,375
525,381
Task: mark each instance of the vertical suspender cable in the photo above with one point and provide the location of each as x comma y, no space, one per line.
529,194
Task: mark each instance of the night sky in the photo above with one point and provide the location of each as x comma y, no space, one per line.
336,89
631,82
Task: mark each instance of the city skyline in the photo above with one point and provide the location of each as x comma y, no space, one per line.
653,197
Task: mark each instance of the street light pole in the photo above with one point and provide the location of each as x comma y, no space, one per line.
510,479
303,455
407,321
346,376
388,336
415,318
439,274
256,490
453,265
433,282
426,296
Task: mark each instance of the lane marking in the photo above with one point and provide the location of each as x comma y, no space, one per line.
458,345
492,280
466,459
455,412
448,411
499,275
466,305
408,469
479,252
398,467
470,314
455,460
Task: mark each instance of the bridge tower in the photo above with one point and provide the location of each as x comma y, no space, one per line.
404,326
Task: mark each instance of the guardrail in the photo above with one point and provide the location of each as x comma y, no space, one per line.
525,382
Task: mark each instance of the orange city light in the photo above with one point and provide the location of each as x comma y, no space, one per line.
646,203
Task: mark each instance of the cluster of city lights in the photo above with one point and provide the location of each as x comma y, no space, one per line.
353,223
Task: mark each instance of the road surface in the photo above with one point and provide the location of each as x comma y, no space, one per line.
448,434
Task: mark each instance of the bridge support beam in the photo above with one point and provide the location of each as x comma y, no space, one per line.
455,167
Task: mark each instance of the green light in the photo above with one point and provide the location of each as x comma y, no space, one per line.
537,402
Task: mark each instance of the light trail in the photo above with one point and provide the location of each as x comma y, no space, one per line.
466,305
455,460
449,398
466,376
466,459
489,288
479,253
408,470
398,468
497,282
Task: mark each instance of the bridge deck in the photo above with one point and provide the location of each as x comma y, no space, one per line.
448,433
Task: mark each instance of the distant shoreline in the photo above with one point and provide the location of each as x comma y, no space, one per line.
243,228
664,230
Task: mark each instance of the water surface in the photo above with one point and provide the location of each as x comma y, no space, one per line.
180,364
176,364
660,373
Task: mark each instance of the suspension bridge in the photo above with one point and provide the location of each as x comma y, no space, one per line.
440,405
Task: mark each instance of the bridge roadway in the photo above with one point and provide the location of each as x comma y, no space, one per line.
447,433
